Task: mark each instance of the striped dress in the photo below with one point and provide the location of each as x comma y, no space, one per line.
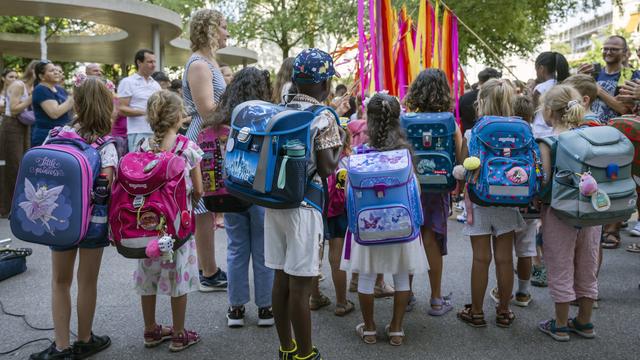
196,121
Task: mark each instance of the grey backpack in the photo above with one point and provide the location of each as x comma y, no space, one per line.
608,155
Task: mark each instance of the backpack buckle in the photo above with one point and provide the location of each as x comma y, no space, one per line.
506,152
379,189
243,135
138,201
427,139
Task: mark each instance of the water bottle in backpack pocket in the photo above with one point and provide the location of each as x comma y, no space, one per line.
383,198
510,170
99,224
432,138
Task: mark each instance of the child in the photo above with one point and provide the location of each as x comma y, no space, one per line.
93,106
525,242
430,93
500,223
294,237
178,278
245,230
571,253
401,260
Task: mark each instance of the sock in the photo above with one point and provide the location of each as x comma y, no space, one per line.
295,347
523,286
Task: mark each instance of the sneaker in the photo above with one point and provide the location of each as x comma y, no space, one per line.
183,340
636,230
539,276
53,353
462,218
288,354
315,355
412,303
459,207
265,317
82,350
215,282
383,290
522,299
235,316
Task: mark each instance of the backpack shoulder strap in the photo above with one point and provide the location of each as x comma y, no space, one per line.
182,142
551,141
317,109
101,142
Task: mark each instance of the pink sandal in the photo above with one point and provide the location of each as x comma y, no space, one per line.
183,340
155,337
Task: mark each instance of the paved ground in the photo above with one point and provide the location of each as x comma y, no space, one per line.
118,315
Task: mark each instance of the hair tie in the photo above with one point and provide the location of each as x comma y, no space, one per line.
571,104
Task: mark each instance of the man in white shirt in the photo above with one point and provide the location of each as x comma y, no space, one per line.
133,92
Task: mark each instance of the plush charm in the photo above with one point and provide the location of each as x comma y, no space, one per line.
341,178
153,249
161,247
588,185
471,163
459,172
517,175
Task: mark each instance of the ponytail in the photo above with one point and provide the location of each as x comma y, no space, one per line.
561,67
565,103
555,64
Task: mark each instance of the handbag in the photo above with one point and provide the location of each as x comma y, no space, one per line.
27,117
13,262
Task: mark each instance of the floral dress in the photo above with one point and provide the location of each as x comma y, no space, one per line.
180,277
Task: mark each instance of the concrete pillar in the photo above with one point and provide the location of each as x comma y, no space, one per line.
155,35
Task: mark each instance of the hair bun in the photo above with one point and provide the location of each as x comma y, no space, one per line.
573,103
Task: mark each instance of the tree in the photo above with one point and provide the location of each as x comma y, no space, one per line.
290,23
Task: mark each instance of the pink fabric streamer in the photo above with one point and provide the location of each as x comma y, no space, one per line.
455,65
361,46
373,48
401,59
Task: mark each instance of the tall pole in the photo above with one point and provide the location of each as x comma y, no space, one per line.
156,47
43,39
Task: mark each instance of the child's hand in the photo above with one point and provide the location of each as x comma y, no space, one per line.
343,105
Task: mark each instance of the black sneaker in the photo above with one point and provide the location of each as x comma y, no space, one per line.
265,317
235,317
315,355
288,355
215,282
83,350
52,352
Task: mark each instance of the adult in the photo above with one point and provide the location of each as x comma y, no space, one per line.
51,104
609,78
176,86
93,69
133,93
202,86
227,73
283,81
468,100
551,68
14,135
162,79
6,79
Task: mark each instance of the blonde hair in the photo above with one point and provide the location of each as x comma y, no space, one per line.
496,97
585,84
203,29
565,103
164,111
93,103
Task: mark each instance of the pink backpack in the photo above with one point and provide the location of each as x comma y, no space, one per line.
358,129
336,183
149,200
216,198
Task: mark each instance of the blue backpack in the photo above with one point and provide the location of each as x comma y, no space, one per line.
269,153
53,200
510,169
432,138
383,198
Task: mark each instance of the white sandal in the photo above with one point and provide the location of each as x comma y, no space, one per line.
364,333
389,334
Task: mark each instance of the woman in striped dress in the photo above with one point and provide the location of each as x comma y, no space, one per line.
203,85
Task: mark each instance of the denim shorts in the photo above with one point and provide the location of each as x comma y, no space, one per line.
336,227
84,244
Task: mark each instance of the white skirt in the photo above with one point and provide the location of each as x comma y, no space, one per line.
408,257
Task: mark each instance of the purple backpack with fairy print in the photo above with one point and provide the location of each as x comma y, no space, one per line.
383,198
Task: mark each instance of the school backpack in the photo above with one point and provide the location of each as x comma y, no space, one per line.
510,169
53,200
383,198
336,184
629,125
432,138
216,198
269,155
149,200
608,155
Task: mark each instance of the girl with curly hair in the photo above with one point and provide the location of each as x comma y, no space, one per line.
400,260
282,87
245,230
202,87
430,93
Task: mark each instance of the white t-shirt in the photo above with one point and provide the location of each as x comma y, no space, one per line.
540,128
139,91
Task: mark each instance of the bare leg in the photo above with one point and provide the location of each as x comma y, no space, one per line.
178,311
585,311
61,279
400,300
562,315
503,254
524,268
299,292
149,311
88,270
434,256
481,246
366,308
315,287
339,277
205,243
280,306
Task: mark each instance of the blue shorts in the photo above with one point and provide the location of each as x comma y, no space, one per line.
336,227
84,244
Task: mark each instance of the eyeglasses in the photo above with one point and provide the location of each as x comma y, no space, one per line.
609,49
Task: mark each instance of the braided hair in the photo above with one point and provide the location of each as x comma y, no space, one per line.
164,112
555,63
383,124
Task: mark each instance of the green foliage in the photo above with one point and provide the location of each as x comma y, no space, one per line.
182,7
